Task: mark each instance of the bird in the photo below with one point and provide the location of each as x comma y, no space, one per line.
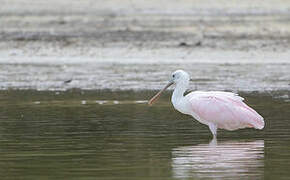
216,109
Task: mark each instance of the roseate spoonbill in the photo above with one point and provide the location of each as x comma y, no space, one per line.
217,109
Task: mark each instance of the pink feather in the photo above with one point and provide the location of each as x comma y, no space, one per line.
226,110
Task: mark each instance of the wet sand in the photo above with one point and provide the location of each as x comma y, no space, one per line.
225,45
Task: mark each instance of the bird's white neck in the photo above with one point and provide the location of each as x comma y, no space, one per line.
178,93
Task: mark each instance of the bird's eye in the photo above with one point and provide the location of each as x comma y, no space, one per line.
173,75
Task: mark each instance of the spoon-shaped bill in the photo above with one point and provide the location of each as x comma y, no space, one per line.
154,98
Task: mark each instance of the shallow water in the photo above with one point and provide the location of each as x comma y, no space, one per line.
115,135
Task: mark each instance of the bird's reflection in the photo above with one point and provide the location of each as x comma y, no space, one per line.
232,159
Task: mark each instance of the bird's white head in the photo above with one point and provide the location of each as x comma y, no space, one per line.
180,78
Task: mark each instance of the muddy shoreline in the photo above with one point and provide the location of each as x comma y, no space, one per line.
225,45
217,25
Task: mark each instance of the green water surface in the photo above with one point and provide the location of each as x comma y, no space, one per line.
115,135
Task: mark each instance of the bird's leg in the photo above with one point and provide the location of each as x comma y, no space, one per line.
213,143
213,129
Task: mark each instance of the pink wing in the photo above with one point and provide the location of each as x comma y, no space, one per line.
226,110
